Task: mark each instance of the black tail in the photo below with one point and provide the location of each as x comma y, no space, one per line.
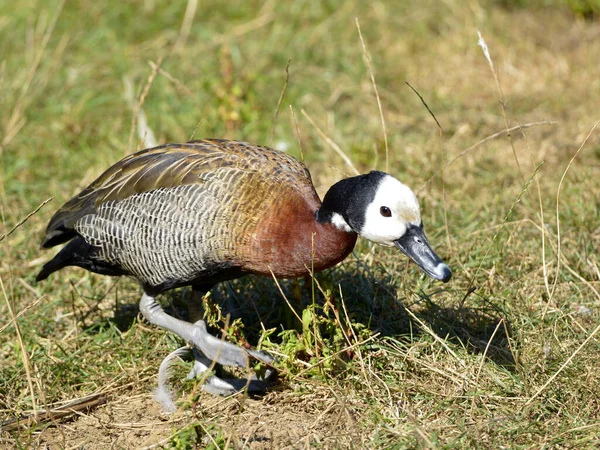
77,253
68,256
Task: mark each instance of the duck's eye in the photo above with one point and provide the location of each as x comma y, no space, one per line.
385,211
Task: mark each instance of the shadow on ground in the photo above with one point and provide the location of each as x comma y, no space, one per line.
371,299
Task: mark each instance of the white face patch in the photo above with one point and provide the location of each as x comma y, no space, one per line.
404,208
340,223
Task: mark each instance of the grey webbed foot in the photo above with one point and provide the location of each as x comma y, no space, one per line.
227,386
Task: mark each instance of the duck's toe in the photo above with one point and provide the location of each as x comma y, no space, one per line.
228,386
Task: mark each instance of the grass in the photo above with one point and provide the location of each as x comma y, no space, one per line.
372,354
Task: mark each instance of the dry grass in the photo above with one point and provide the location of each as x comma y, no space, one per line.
372,354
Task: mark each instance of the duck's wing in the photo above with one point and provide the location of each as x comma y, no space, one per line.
171,166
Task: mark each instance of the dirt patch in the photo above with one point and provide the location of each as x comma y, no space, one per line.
122,423
278,420
286,420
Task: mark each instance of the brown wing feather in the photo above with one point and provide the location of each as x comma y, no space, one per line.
170,166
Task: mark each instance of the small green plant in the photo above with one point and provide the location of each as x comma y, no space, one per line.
197,436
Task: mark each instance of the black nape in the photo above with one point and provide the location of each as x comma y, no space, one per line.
350,198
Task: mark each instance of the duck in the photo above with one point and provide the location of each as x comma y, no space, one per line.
207,211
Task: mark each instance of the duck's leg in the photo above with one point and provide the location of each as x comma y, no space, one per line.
214,384
213,348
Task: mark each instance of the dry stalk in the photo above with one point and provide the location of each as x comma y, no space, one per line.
484,140
20,313
436,337
562,367
186,26
285,85
486,53
487,346
17,118
138,106
22,221
331,143
52,414
297,133
441,136
368,61
24,353
558,237
284,297
177,83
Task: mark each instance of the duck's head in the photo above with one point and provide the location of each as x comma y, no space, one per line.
380,208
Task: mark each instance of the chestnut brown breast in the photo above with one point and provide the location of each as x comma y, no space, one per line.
288,241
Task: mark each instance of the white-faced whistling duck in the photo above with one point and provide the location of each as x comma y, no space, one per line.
208,211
